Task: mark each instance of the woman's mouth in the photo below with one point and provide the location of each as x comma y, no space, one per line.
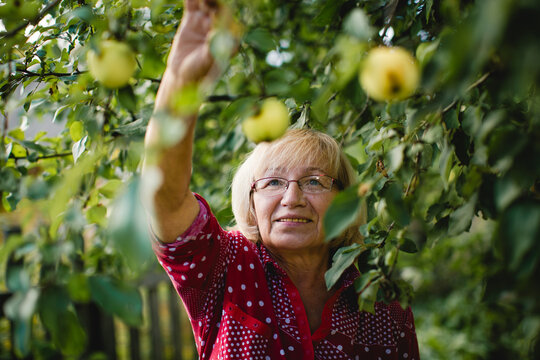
295,220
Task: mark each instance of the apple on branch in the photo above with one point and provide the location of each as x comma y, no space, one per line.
389,73
269,123
113,64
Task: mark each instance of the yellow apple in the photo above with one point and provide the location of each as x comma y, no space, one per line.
269,123
389,73
113,64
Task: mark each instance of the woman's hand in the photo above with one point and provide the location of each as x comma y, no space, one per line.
190,59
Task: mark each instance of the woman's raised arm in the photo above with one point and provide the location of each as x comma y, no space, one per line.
174,207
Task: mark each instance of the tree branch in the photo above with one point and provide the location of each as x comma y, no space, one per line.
32,73
350,127
34,20
51,156
218,98
389,12
469,88
5,123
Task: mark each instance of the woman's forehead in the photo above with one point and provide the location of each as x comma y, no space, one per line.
302,170
295,155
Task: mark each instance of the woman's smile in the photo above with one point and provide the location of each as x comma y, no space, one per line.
292,220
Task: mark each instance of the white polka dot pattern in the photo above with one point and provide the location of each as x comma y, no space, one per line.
242,305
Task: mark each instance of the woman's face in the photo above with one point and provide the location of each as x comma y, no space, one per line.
293,220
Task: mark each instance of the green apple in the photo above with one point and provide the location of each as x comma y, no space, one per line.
13,11
113,64
389,73
269,123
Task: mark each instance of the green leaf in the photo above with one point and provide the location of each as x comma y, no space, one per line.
342,212
395,205
260,39
97,215
128,228
127,98
408,246
35,146
357,24
58,316
278,81
429,5
222,46
117,298
78,148
67,188
328,13
78,288
239,109
342,259
520,230
17,277
367,288
133,129
445,163
183,102
111,188
20,308
396,157
76,130
506,191
425,51
61,112
461,218
11,244
9,179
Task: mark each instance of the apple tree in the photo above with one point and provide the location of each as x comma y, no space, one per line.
435,102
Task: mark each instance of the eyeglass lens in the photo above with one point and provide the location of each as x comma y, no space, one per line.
308,184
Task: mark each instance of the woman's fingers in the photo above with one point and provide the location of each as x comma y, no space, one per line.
206,6
191,5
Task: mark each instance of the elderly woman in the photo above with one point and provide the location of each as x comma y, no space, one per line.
259,293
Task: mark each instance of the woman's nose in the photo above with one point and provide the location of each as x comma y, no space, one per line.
293,195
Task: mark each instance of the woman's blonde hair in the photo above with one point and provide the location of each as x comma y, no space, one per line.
297,148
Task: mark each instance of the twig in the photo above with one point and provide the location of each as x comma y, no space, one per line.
52,156
349,128
34,20
218,98
32,73
394,263
469,88
478,82
415,175
371,281
331,98
5,113
390,11
390,227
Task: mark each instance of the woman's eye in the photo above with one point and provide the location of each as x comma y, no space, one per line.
274,182
314,182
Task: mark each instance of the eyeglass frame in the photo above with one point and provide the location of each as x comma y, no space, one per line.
334,181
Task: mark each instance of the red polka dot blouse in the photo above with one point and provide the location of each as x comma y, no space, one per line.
242,305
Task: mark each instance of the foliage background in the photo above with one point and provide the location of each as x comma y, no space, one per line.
450,176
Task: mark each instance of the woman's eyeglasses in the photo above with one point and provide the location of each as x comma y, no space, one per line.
311,184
